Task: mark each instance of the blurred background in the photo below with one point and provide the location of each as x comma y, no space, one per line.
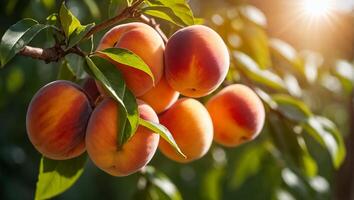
304,45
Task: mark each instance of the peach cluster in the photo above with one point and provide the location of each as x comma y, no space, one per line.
64,119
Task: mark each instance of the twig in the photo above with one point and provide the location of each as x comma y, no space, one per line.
126,13
53,54
156,26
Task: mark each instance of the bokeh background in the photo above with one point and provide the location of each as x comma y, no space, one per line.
257,170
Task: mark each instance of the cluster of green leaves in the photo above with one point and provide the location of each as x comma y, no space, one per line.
57,176
280,75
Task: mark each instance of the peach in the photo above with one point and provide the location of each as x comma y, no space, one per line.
196,61
191,127
238,115
101,140
145,42
160,97
57,118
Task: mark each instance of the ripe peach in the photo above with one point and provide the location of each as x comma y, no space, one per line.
237,113
160,97
191,127
196,61
57,118
145,42
101,140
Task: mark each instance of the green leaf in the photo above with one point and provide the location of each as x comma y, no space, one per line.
18,36
68,21
93,8
253,15
126,57
284,51
247,165
79,34
255,42
178,8
166,189
56,176
292,108
163,131
212,183
291,145
116,5
165,13
253,71
327,134
66,72
113,82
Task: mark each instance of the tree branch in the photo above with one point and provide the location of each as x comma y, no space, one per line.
153,24
53,54
126,13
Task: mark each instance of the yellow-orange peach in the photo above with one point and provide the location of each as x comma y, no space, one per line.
57,118
160,97
237,113
101,140
145,42
191,127
196,61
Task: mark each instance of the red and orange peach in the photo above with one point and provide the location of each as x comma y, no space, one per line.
57,118
191,127
237,113
101,140
196,61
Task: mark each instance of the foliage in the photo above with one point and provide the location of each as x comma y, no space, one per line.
298,137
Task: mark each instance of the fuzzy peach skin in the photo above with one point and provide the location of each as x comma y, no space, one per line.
191,127
196,61
145,42
160,97
57,118
238,115
101,140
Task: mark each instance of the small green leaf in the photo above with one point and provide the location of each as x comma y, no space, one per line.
18,36
117,5
177,8
253,15
253,71
126,57
66,72
211,183
165,188
163,131
291,146
113,82
247,165
292,108
327,134
68,21
165,13
93,8
284,51
56,176
255,43
79,34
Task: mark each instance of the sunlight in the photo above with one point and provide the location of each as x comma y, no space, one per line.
317,8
